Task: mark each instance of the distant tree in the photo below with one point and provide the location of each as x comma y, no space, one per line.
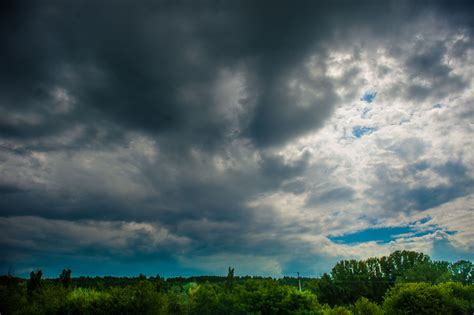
462,271
145,298
353,280
299,302
65,278
398,262
205,299
371,278
159,283
229,282
325,289
34,283
91,301
427,271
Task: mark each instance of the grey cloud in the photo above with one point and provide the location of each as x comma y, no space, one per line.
461,48
340,194
6,189
410,149
395,195
169,188
150,67
115,238
295,186
428,63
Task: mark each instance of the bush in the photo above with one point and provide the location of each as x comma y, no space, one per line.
13,296
298,302
338,310
365,307
460,297
141,298
416,298
88,301
204,299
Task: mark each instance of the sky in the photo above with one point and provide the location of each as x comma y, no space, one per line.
183,137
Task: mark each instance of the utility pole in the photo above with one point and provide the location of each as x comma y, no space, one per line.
299,280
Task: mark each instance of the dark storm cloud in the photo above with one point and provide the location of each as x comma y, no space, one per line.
132,64
397,196
428,63
151,67
9,189
171,189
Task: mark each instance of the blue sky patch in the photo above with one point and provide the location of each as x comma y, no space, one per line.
368,97
359,131
385,235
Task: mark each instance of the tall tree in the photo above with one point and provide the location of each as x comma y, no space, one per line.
463,271
65,278
159,283
34,283
229,282
427,271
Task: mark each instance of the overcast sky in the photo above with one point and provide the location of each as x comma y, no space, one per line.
183,137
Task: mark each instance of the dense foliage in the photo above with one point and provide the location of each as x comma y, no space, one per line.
402,283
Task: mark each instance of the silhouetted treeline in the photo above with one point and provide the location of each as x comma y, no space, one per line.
404,282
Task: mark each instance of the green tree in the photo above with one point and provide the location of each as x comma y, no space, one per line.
427,271
34,283
139,298
398,262
416,298
353,280
205,299
13,295
299,302
65,278
325,289
460,297
462,271
159,283
229,282
89,301
365,307
338,310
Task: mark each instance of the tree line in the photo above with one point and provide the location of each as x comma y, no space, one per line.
404,282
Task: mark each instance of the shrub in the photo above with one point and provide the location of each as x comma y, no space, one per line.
365,307
88,301
338,310
416,298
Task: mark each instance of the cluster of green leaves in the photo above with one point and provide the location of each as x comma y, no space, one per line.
252,297
351,279
402,283
142,297
424,298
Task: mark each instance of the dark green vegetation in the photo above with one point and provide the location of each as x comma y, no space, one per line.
402,283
